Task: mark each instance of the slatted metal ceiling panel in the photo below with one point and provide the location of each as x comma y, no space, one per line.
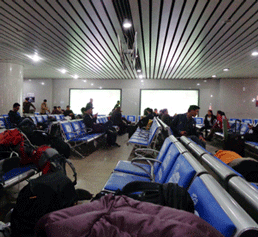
176,39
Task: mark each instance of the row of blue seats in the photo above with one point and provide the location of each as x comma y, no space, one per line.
175,164
75,133
5,121
244,192
200,121
146,138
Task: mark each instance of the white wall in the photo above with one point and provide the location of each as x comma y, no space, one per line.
236,98
41,91
131,91
227,94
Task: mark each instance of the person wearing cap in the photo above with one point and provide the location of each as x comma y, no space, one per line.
26,106
185,125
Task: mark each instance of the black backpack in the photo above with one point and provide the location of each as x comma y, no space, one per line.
167,194
47,193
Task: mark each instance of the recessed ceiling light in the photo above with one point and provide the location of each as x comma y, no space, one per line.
198,84
34,57
255,54
141,76
226,69
42,83
84,81
75,76
141,80
62,70
29,79
100,87
253,100
92,84
213,76
138,70
211,95
205,80
127,24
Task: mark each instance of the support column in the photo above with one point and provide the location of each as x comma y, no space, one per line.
11,86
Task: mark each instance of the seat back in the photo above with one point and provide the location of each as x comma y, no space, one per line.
57,116
218,208
244,128
67,130
45,117
247,121
198,120
184,170
82,124
8,123
162,153
168,161
255,121
154,129
34,120
77,128
39,118
2,122
131,118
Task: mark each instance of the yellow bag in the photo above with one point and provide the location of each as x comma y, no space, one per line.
149,124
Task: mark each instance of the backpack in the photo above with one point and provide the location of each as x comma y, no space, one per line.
167,194
47,193
11,137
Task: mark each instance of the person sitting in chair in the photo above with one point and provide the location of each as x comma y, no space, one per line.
90,122
185,125
17,120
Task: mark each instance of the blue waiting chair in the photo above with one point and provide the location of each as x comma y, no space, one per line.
214,205
131,118
118,180
141,169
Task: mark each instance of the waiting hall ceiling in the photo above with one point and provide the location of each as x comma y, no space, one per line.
180,39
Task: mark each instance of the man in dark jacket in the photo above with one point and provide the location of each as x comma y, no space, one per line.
16,119
253,137
27,105
90,122
185,125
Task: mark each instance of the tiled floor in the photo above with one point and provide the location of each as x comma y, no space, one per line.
93,170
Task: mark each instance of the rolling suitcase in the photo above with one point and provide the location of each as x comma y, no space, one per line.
234,141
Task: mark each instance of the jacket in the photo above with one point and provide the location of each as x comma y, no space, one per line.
121,216
182,123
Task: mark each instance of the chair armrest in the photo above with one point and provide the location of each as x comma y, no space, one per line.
143,150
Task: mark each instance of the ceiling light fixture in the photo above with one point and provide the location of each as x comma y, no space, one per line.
255,54
62,70
226,69
198,84
84,81
75,76
34,57
127,24
141,76
139,70
213,76
91,84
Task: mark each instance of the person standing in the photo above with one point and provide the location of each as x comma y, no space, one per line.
44,107
26,106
